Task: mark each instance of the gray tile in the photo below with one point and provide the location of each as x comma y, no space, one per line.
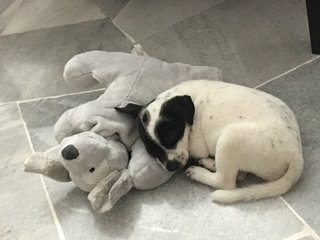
111,7
24,212
250,41
180,209
142,18
31,64
300,89
4,4
41,115
27,15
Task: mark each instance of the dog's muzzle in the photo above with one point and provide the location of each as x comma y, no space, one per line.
173,166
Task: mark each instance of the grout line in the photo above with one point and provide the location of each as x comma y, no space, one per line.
131,39
61,95
51,149
304,233
312,232
289,71
124,7
25,128
52,210
58,26
53,97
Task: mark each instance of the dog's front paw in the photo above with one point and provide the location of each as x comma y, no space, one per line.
194,172
208,163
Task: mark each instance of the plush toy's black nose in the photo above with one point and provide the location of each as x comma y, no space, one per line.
70,152
173,165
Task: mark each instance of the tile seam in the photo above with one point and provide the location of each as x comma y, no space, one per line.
51,207
47,28
299,235
311,230
288,71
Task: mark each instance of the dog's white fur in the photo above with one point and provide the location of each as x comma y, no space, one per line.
245,129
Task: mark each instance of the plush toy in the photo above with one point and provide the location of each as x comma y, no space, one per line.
95,139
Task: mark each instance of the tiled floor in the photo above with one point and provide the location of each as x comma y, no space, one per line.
252,41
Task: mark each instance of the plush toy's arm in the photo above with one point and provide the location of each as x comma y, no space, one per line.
89,68
146,173
52,168
109,190
96,117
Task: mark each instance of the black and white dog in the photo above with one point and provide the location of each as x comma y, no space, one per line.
245,130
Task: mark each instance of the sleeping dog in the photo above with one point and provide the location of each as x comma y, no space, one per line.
243,129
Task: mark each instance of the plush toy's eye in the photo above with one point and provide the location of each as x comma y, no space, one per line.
92,169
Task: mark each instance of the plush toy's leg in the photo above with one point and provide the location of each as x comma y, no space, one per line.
109,190
52,168
121,187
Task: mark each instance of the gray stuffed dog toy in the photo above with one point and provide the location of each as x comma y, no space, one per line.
95,140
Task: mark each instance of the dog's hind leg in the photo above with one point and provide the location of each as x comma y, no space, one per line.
226,168
227,156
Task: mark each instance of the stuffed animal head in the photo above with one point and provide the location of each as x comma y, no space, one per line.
89,157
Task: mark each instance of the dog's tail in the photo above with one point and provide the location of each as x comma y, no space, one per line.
266,190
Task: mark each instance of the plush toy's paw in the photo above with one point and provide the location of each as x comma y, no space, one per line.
42,164
99,196
38,163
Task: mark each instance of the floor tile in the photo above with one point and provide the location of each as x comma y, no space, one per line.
158,15
31,64
27,15
307,238
250,41
111,7
300,90
4,4
41,115
24,211
180,209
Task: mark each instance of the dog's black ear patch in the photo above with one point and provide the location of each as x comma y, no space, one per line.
170,131
179,107
131,108
152,148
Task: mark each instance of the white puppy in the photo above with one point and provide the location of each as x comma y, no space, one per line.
244,129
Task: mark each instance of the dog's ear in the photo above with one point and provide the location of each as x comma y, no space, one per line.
132,109
180,106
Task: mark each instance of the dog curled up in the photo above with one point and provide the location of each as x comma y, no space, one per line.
230,129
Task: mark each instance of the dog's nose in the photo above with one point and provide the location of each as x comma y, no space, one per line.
70,152
173,165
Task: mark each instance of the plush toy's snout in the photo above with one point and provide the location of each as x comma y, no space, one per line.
70,152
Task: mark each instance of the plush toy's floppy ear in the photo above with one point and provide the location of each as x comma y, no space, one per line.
180,106
132,109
